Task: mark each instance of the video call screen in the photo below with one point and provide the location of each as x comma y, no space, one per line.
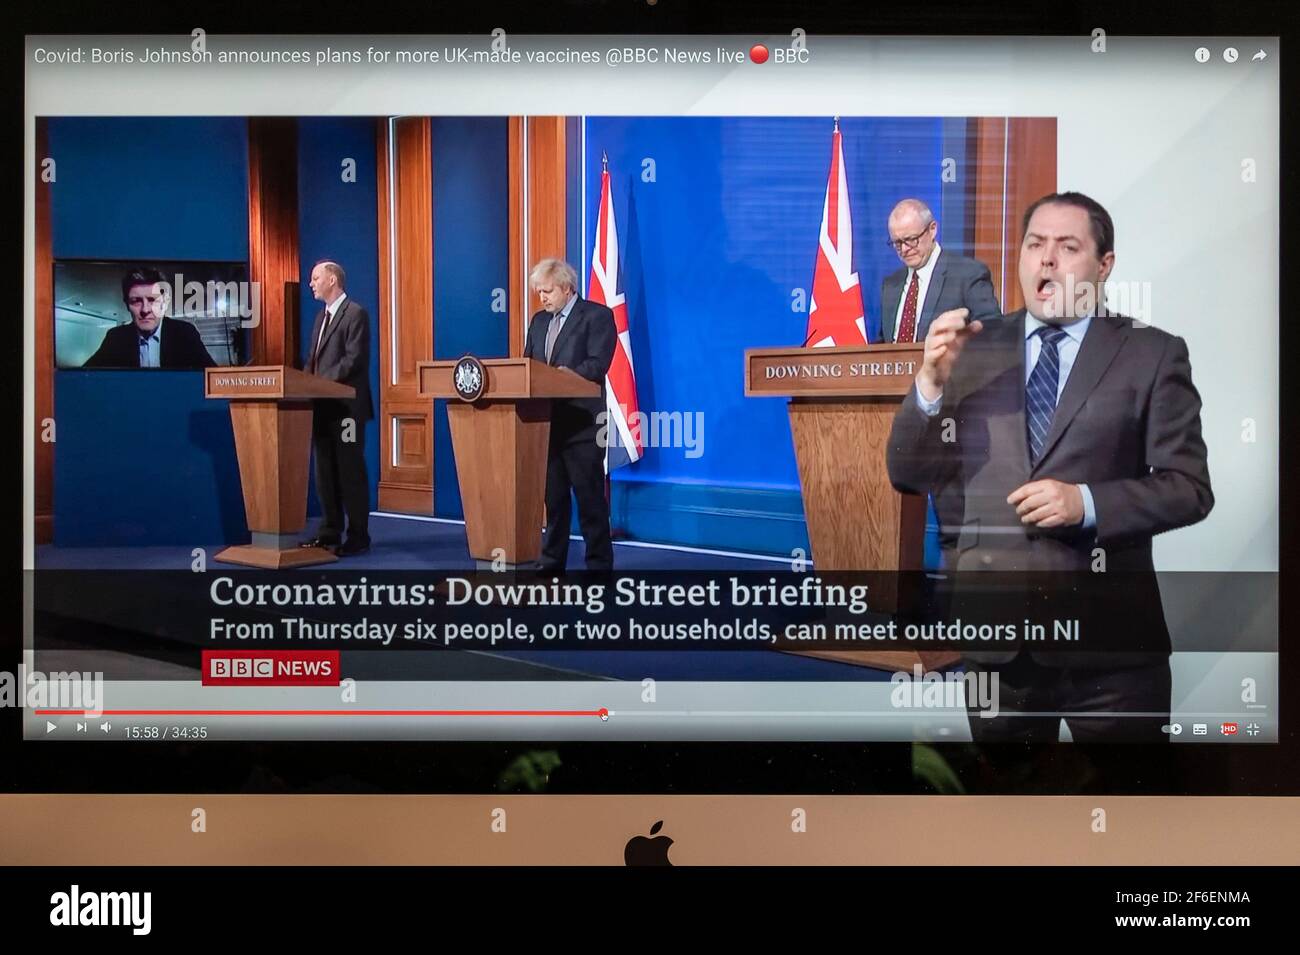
786,388
136,301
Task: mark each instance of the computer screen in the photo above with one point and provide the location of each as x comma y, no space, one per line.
834,388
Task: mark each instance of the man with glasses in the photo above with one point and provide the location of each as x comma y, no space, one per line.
931,281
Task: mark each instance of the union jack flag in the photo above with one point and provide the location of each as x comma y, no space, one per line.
623,425
835,315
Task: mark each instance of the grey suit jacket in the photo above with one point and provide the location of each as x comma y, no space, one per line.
1127,425
344,355
957,282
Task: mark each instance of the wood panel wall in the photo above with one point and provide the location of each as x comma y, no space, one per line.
406,314
1015,163
43,329
538,195
273,237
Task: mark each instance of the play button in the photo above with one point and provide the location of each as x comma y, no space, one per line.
49,727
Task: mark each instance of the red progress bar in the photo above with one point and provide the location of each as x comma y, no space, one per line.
602,713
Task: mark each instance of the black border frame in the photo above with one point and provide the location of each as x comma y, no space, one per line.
668,768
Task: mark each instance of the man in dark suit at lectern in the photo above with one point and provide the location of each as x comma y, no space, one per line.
1059,439
931,281
571,332
339,349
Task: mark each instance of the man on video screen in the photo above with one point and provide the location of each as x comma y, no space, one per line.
151,340
931,280
1061,438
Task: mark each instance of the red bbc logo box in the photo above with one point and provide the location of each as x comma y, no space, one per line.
271,668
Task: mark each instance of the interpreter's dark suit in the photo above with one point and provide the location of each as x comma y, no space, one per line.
341,481
575,461
956,282
1128,425
179,346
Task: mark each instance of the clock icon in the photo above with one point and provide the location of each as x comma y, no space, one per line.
1230,55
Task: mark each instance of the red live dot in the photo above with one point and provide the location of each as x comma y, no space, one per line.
758,53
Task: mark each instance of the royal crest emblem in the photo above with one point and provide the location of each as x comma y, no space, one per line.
469,378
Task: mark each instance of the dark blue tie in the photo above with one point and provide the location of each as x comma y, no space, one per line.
1040,392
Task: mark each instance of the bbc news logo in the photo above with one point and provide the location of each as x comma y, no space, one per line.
271,668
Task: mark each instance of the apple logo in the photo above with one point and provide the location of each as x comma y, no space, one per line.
641,850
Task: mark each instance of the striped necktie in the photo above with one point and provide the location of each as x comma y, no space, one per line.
1040,391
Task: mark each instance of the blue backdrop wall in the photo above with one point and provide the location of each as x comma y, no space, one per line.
141,457
471,261
718,222
150,188
338,219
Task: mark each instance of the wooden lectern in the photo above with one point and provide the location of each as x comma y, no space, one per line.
271,412
842,403
500,441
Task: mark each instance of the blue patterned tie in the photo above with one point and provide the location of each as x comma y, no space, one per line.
1040,392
